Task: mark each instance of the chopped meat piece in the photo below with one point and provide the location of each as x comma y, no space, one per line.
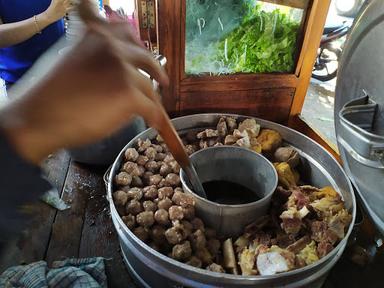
299,244
149,206
221,127
238,134
150,192
190,149
262,238
141,233
142,145
292,222
131,154
323,248
176,213
215,268
230,140
162,217
150,152
164,204
195,262
270,140
244,142
145,219
155,179
288,155
165,192
327,206
257,225
203,144
142,160
308,254
182,251
281,195
120,197
338,223
173,179
207,133
132,169
129,220
158,234
250,126
123,179
198,240
320,232
231,124
183,199
133,207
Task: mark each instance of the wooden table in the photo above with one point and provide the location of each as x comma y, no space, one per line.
86,230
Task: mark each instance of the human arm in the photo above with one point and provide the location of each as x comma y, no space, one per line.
17,32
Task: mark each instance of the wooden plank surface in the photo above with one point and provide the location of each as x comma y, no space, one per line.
99,236
31,246
68,224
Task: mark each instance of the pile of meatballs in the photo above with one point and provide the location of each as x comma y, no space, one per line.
152,204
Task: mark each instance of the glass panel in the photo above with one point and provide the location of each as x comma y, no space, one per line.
241,36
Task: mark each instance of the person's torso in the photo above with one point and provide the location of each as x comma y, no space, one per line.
17,59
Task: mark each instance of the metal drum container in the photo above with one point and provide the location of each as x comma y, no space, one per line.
153,269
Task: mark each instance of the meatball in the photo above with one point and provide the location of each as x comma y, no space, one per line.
162,217
145,219
133,207
142,145
210,233
176,213
164,204
120,197
152,166
129,220
141,233
195,262
158,234
173,179
204,255
158,148
135,193
182,251
198,240
146,176
160,156
174,166
150,192
155,179
190,149
137,182
149,206
165,192
216,268
222,128
213,246
174,235
168,158
197,224
187,226
183,199
150,152
189,212
163,183
131,154
123,179
132,169
142,160
165,169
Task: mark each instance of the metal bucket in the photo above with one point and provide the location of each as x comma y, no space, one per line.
153,269
237,165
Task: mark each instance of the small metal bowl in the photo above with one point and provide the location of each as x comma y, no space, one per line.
237,165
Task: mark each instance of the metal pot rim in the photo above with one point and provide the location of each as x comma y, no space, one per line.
116,166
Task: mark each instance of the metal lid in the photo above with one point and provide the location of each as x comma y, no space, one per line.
359,105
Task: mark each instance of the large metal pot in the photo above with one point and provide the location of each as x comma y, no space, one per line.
153,269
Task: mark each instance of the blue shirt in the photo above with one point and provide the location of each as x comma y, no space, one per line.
16,60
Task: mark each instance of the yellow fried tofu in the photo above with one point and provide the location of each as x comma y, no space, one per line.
270,140
288,177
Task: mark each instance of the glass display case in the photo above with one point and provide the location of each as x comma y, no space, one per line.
234,36
239,56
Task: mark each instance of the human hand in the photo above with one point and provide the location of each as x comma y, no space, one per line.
58,8
91,93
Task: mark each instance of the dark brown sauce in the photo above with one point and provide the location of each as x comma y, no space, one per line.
230,193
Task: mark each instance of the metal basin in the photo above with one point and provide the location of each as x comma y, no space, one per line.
153,269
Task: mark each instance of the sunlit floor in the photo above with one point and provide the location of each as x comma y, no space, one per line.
318,108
